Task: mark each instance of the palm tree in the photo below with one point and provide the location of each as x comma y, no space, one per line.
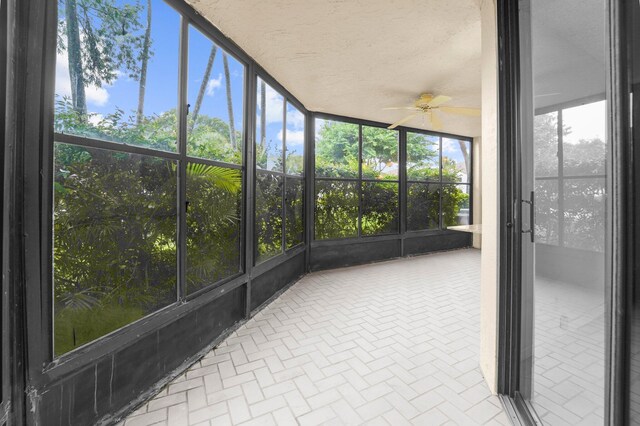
465,154
146,45
232,127
203,86
76,76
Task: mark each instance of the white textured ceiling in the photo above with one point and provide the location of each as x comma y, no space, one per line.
356,57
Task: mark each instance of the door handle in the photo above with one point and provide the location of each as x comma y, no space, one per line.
530,231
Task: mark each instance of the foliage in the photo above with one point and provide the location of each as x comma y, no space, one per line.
114,234
379,208
214,224
337,203
379,153
454,201
294,223
102,38
157,131
337,150
423,206
115,220
269,155
423,157
268,215
295,162
336,210
111,39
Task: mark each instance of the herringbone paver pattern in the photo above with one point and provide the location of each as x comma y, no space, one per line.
391,343
568,379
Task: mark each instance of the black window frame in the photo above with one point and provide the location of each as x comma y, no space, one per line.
441,183
182,159
41,368
402,179
261,75
43,365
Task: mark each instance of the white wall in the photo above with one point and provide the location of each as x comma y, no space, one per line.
489,191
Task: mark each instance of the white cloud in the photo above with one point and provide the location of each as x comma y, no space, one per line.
95,119
213,84
97,96
319,124
294,137
450,146
295,119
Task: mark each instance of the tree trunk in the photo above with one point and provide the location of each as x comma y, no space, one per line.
78,96
203,86
227,77
144,65
263,114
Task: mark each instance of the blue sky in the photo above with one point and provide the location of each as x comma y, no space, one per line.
162,77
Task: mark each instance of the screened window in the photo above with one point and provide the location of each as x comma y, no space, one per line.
116,169
337,149
357,180
423,206
214,148
113,82
269,223
269,137
337,209
379,153
214,229
438,181
456,160
294,211
294,141
279,200
423,157
114,240
215,93
379,208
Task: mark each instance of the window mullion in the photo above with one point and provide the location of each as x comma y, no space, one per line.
560,180
440,186
182,151
284,175
360,200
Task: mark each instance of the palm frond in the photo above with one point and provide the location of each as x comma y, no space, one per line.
83,299
229,180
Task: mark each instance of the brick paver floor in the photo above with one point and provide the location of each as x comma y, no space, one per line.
568,379
390,343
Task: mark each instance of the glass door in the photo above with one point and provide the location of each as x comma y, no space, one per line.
4,315
563,210
633,299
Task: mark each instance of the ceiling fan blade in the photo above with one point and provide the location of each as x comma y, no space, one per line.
404,120
436,123
402,108
438,100
472,112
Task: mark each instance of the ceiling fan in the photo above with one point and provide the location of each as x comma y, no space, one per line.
427,104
